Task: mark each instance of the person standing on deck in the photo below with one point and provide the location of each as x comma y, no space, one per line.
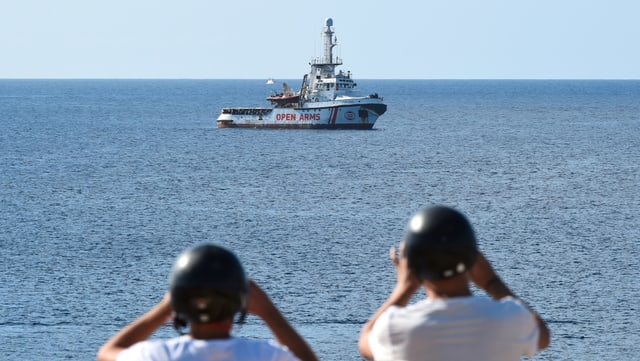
439,252
208,289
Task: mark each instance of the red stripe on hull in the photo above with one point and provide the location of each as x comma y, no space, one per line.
334,116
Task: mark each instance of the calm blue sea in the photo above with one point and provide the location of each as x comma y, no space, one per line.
104,182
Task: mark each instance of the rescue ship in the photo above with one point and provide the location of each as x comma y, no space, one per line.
326,100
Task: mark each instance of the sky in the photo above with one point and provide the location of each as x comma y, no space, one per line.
257,39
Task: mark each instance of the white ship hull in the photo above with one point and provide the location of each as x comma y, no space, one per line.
337,114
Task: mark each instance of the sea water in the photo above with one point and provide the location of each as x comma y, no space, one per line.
104,182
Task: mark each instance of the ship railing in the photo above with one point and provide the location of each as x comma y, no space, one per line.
321,61
247,111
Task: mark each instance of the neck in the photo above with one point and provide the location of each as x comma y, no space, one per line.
457,286
211,330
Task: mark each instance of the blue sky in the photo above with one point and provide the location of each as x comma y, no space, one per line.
256,39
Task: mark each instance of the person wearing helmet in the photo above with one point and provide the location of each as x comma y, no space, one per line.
208,290
439,252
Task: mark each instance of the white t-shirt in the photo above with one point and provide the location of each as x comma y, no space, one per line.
455,329
185,348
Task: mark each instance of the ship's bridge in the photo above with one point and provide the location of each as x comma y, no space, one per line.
341,80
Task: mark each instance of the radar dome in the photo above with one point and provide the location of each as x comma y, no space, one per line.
329,22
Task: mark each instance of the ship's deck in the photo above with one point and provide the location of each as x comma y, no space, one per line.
247,111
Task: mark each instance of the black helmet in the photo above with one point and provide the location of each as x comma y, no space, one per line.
439,243
208,284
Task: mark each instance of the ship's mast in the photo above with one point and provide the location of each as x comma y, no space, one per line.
321,81
327,64
329,41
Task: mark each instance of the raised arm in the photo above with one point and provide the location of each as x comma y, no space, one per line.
261,305
138,330
406,286
484,276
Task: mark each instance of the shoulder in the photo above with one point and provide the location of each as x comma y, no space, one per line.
227,349
515,307
391,313
509,314
250,349
145,350
396,317
507,307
